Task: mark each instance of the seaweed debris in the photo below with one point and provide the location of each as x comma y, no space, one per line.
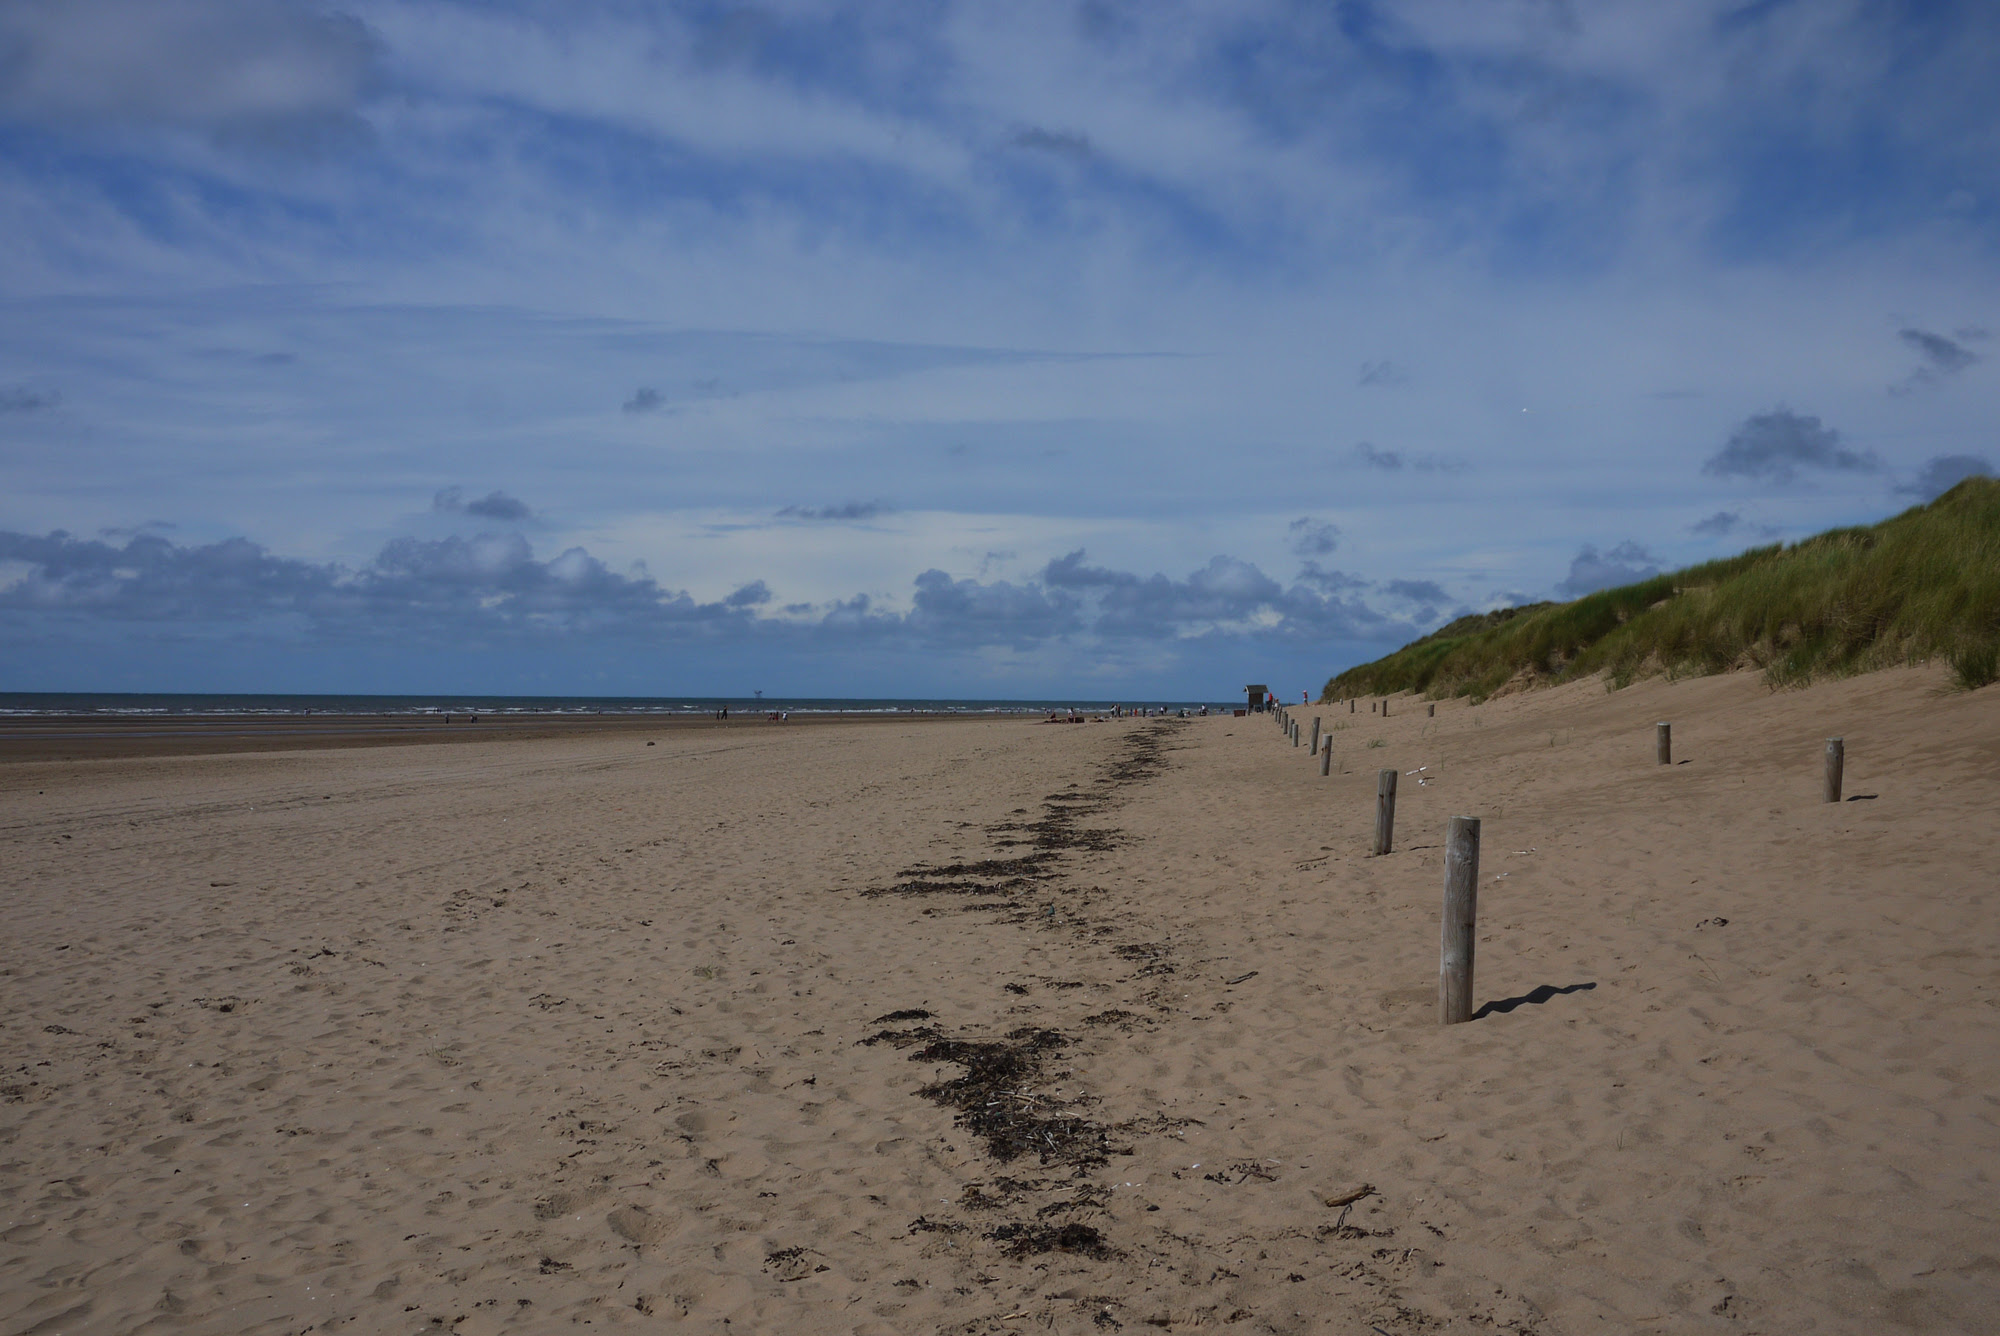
1024,1240
994,1100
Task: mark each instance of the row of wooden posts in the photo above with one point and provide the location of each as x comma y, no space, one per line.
1461,855
1461,870
1836,758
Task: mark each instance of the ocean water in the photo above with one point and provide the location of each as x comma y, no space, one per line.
37,704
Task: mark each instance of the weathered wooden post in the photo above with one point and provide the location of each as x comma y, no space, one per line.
1835,759
1461,912
1326,757
1385,811
1663,743
1385,709
1434,709
1315,736
1350,705
1295,732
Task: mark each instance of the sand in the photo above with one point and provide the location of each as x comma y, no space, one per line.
531,1033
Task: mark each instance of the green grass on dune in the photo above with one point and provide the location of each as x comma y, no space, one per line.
1922,585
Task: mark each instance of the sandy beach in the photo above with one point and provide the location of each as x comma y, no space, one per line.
999,1026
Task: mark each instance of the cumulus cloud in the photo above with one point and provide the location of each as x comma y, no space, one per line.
433,590
21,399
1942,357
1774,446
1944,472
1592,570
271,69
1426,598
645,399
1226,596
495,505
848,511
1328,581
455,592
1718,525
1417,591
969,612
1311,537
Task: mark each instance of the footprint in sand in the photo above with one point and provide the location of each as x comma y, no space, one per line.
640,1224
555,1205
1397,999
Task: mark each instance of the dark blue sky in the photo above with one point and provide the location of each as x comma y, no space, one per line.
956,349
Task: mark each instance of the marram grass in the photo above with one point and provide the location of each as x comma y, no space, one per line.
1920,586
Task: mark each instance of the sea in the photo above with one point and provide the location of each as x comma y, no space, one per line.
38,704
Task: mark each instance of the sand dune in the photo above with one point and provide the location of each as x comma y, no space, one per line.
532,1033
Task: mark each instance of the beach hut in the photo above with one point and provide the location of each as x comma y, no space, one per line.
1260,698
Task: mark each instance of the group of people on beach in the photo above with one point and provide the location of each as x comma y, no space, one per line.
1118,712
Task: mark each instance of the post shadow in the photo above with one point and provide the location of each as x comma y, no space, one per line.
1536,996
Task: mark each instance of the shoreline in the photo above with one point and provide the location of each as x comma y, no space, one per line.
51,738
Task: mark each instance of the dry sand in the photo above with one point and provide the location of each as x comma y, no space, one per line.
535,1033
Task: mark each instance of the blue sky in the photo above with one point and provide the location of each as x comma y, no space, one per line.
1025,349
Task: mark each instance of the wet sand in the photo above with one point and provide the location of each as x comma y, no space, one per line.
1002,1026
99,737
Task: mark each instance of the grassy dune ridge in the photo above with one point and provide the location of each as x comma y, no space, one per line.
1921,585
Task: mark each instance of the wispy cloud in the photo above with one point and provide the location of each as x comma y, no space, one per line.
845,512
1393,461
1124,278
1723,523
272,74
1774,446
22,399
1942,357
1063,143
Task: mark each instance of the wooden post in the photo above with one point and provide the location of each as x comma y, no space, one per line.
1385,811
1326,757
1835,759
1385,709
1663,743
1434,709
1315,737
1461,912
1350,705
1295,732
